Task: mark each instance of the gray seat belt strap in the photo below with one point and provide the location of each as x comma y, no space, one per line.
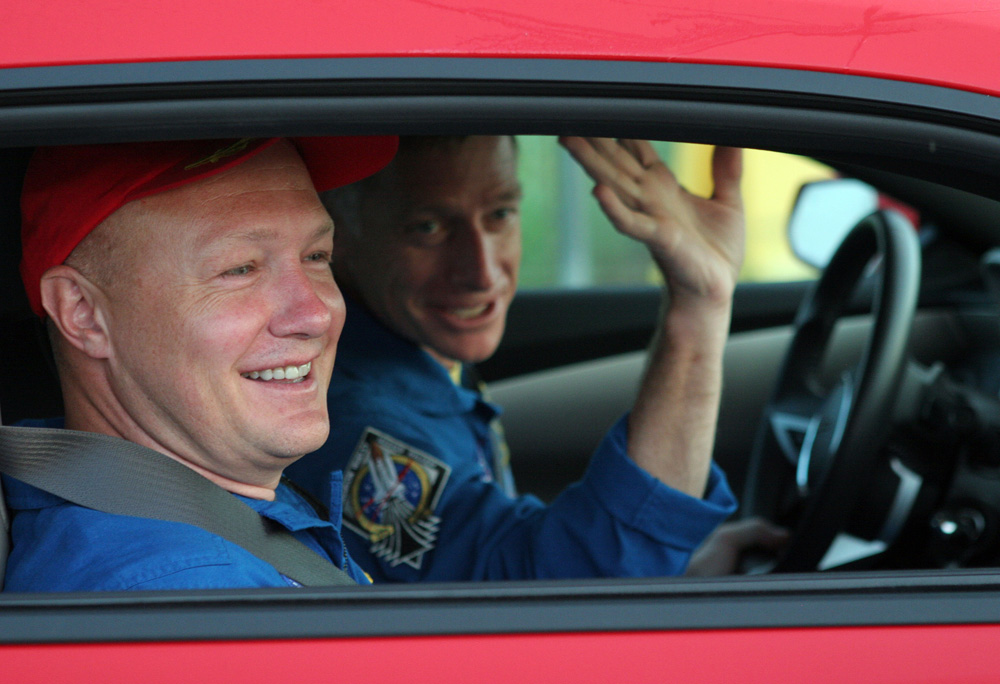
116,476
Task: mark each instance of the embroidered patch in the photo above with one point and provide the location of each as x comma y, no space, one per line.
390,493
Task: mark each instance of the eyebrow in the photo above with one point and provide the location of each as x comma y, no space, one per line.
265,234
512,194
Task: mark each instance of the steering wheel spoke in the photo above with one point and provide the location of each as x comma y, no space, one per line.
847,548
791,428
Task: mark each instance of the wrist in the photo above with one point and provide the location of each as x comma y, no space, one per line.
696,321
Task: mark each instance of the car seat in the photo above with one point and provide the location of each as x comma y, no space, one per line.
29,387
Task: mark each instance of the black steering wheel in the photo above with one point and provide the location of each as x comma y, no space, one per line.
817,444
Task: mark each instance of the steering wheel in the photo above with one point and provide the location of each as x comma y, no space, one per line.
817,444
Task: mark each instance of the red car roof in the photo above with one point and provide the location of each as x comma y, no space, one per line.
925,41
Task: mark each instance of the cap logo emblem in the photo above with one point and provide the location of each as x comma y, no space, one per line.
219,155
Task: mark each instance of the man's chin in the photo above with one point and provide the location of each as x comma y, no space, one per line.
466,352
292,446
448,345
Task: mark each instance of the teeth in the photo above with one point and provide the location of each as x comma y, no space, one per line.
471,312
294,373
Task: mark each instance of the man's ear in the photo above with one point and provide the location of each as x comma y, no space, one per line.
74,304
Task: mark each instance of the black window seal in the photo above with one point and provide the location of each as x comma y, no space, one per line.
768,602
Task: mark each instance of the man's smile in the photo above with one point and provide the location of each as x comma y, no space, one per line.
287,373
469,312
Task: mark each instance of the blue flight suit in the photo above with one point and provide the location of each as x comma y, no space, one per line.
424,483
59,546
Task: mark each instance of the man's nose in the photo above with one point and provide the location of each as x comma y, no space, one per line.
305,304
474,258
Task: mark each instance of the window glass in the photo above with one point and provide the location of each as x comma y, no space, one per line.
569,243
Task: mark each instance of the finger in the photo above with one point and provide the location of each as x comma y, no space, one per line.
631,168
658,186
771,538
622,154
756,532
600,159
727,169
643,151
623,216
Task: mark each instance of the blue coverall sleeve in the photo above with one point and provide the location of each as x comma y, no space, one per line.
618,521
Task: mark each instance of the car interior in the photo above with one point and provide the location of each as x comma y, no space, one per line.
571,359
943,414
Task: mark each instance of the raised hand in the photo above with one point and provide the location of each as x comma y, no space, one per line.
697,242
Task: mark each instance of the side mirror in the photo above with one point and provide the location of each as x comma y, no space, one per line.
824,212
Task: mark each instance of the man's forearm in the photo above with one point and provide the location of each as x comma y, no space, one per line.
697,243
672,426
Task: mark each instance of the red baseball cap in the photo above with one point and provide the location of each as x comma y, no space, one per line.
69,191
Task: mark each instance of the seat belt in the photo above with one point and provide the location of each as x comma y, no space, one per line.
116,476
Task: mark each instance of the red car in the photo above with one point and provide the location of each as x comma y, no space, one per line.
891,573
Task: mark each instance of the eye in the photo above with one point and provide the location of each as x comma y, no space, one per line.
245,269
321,256
429,232
425,227
503,218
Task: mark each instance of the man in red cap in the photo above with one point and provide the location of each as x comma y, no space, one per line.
192,310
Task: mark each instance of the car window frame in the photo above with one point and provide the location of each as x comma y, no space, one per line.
777,109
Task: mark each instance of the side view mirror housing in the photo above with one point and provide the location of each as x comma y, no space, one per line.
824,212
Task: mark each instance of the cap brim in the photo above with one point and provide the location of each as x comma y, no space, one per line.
337,161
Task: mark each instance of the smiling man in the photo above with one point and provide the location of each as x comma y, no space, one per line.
192,310
445,289
428,253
